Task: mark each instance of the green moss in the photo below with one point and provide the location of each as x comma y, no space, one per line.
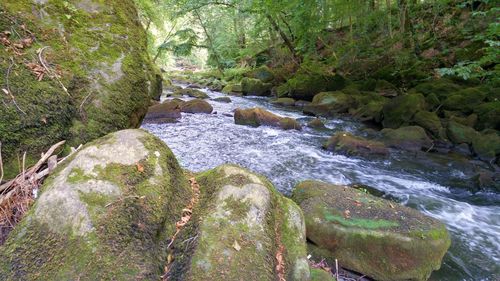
357,222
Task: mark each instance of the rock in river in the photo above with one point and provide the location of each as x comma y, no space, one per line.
257,116
197,106
168,111
346,143
367,234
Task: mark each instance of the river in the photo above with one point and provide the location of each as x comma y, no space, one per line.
433,184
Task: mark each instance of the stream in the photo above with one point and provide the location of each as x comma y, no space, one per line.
434,184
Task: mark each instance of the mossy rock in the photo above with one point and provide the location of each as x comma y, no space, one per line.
348,144
430,122
304,86
100,51
262,73
194,93
330,103
222,99
316,123
459,133
386,89
486,146
465,100
370,111
232,88
257,116
255,87
411,138
399,111
168,111
245,223
371,235
284,101
197,106
488,115
321,275
107,213
442,88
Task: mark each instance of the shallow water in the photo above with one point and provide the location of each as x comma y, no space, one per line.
432,184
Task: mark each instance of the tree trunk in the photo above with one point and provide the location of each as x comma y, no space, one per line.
210,42
389,16
285,38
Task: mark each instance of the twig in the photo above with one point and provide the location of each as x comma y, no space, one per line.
9,92
123,198
42,62
1,164
336,269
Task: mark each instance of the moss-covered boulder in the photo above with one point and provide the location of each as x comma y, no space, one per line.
100,76
255,87
465,100
248,230
459,133
346,143
168,111
411,138
304,85
263,73
488,115
441,88
400,110
222,99
318,274
232,88
197,106
316,123
367,234
371,111
486,146
284,101
257,116
430,122
386,89
194,93
106,214
329,103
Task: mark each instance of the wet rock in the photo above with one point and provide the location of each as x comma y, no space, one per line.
255,87
346,143
367,234
288,123
284,101
316,123
222,99
106,214
329,103
304,86
302,103
430,122
167,111
411,138
486,146
458,133
257,116
370,111
232,88
469,121
197,106
194,93
244,224
400,110
262,73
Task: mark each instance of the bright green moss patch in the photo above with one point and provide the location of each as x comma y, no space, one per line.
358,222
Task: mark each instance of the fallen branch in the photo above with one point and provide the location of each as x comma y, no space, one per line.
7,91
17,195
49,71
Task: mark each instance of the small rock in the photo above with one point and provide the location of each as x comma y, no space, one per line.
197,106
222,99
316,123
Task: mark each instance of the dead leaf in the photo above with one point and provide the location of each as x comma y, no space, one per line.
236,246
358,203
347,214
140,168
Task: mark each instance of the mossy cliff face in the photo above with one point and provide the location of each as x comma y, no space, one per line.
379,238
98,50
105,215
245,222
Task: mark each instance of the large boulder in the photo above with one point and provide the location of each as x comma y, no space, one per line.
330,103
255,87
168,111
232,88
256,117
346,143
400,110
488,115
486,146
441,88
197,106
248,231
284,101
465,100
194,93
107,214
411,138
304,85
459,133
262,73
430,122
100,77
367,234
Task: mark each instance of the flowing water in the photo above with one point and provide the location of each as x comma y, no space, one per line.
432,184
